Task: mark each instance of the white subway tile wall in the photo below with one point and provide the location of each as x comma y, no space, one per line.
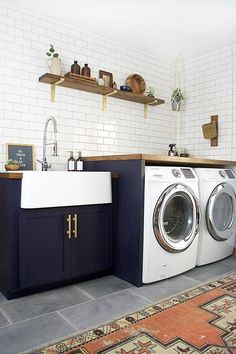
209,84
82,125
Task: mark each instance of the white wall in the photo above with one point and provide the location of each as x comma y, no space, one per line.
25,103
208,86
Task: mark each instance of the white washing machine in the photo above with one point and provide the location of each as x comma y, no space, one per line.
171,222
218,208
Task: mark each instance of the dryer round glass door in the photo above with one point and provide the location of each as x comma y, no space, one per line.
220,212
176,218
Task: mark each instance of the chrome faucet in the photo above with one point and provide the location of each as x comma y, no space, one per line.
44,163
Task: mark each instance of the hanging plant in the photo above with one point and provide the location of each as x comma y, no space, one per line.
176,99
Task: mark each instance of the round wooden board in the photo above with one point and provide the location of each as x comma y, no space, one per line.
137,83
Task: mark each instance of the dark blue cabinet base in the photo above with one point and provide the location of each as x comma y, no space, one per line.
45,248
128,200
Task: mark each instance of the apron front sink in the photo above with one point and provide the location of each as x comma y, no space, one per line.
58,188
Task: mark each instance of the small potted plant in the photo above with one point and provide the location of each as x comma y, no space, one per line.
150,91
54,63
12,165
176,99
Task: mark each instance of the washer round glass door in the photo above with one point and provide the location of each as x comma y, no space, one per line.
220,212
176,218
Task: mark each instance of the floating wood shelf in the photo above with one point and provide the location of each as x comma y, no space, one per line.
101,90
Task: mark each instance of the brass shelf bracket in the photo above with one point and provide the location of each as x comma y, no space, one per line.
53,88
104,99
146,105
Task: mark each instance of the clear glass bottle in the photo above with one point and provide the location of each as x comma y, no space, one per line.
75,68
85,70
71,162
79,162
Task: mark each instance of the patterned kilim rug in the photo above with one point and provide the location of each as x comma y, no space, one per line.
200,320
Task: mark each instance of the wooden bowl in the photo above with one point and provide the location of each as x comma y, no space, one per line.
12,167
137,83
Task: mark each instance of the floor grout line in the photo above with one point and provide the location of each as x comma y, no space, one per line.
6,316
141,296
84,292
65,319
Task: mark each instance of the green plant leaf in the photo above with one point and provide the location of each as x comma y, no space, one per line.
51,50
48,54
55,55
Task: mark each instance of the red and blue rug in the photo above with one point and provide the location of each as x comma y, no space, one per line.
200,320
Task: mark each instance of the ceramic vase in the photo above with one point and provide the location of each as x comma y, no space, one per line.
54,65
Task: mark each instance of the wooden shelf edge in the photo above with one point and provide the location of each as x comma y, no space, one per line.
82,85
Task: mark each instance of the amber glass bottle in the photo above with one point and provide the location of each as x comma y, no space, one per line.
86,70
75,68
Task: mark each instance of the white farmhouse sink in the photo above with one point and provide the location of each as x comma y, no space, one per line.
59,188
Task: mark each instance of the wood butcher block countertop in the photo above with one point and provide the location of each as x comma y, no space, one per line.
165,160
149,160
19,175
11,175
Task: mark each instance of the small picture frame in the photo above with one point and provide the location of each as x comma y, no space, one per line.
24,153
107,77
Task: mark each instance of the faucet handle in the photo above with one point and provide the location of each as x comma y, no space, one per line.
45,165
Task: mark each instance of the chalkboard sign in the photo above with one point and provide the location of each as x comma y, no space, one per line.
22,153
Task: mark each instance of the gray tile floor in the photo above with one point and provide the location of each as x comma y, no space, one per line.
37,319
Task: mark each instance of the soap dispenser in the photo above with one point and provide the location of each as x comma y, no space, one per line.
172,150
79,162
71,162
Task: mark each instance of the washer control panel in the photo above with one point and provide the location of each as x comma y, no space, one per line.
187,172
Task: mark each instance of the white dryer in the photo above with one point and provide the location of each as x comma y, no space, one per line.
171,222
218,208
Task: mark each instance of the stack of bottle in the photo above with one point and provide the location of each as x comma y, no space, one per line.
75,69
75,164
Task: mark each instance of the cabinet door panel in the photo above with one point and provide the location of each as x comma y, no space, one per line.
91,251
44,247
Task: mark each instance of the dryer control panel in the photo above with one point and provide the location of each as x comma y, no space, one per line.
230,174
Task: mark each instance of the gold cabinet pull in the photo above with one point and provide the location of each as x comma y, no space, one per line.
69,226
75,231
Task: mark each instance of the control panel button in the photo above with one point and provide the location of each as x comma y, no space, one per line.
176,173
222,174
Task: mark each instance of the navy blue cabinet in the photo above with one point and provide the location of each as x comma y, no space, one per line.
91,248
42,248
57,244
